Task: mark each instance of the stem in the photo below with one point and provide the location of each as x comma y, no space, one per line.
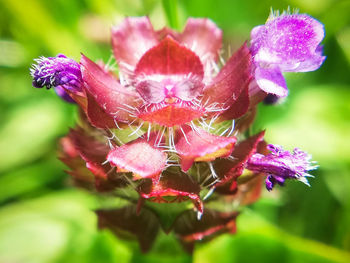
170,9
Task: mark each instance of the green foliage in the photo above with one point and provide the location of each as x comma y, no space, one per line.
43,219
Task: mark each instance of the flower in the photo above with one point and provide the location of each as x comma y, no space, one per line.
58,72
280,165
172,127
167,86
286,43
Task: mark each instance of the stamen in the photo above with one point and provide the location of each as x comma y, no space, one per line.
210,192
212,170
184,134
136,131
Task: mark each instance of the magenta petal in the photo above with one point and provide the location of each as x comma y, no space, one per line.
169,58
60,91
313,63
288,41
139,157
231,80
200,146
107,91
203,37
271,81
131,39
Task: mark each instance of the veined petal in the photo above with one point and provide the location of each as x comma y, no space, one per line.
169,58
179,185
97,116
140,157
231,80
271,81
131,39
169,115
238,108
143,225
199,145
204,38
81,151
93,152
107,91
229,170
189,229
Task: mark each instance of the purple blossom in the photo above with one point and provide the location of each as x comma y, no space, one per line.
59,73
286,43
280,165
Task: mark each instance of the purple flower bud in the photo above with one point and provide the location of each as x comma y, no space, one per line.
58,72
289,42
280,165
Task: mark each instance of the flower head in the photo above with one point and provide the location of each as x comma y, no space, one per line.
170,126
287,42
59,73
280,165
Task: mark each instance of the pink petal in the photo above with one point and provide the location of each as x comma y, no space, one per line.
203,37
179,185
231,80
139,157
271,81
168,58
107,91
197,146
131,39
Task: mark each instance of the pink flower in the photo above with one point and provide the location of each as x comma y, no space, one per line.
168,91
170,127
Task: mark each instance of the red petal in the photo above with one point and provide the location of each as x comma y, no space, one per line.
250,191
144,226
172,114
203,37
97,116
212,223
87,168
168,57
93,152
238,108
197,146
230,170
139,157
131,39
110,95
179,184
232,79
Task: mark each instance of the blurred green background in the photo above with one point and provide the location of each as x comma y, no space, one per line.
44,219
